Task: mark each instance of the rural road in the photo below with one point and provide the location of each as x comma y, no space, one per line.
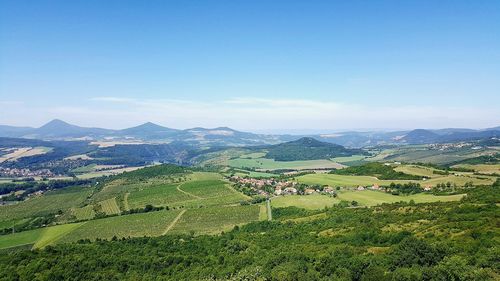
174,222
269,211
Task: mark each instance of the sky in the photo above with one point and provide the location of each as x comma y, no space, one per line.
251,65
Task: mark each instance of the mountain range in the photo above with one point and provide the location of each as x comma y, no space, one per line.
224,136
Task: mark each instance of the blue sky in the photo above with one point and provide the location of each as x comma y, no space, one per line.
254,65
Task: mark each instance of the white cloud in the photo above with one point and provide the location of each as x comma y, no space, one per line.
257,114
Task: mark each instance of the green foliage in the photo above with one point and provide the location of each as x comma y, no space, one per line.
308,149
379,170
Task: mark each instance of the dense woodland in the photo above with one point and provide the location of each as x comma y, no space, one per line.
308,149
403,241
381,171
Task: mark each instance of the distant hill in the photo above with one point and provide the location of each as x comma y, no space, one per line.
224,136
420,136
149,131
307,148
58,128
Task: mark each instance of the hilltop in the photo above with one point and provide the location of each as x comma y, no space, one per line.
307,148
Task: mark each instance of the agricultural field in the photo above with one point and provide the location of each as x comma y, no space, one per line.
109,206
215,219
134,225
425,154
354,181
372,198
313,201
37,238
51,202
21,152
481,168
364,198
254,174
270,164
200,189
83,213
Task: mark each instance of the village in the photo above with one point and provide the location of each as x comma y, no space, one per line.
271,186
277,187
6,172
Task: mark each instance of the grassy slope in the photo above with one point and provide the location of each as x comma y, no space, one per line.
51,202
135,225
372,198
215,219
313,201
270,164
346,180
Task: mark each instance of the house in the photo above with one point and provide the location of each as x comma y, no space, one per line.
290,190
375,187
428,188
308,191
361,188
277,191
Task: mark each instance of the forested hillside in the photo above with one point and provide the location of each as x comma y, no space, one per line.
403,241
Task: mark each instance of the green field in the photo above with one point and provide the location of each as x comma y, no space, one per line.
215,219
39,238
271,164
84,213
364,198
201,189
372,198
418,170
313,201
353,181
157,195
49,203
348,159
109,206
135,225
481,168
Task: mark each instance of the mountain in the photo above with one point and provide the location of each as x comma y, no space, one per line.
58,128
148,131
420,136
307,148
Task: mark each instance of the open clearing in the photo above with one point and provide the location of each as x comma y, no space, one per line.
39,238
24,152
49,203
364,198
109,206
135,225
353,181
313,201
215,219
372,198
271,164
481,168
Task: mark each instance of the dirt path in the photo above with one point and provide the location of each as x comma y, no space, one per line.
174,222
269,211
125,201
185,192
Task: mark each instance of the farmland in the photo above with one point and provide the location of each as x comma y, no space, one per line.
353,181
372,198
364,198
270,164
314,201
215,219
51,202
135,225
481,168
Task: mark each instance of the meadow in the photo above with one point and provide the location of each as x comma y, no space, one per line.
481,168
134,225
373,198
313,201
363,198
271,164
215,219
50,202
354,181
